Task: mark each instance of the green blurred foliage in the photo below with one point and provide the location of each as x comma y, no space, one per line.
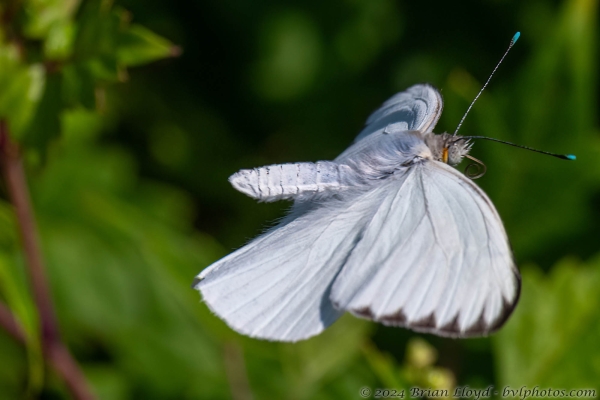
565,303
128,172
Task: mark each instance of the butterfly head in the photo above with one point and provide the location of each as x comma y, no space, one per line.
447,148
455,148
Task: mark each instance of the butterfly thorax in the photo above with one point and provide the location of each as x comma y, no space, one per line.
447,148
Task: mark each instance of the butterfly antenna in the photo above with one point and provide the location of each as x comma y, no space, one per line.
561,156
512,43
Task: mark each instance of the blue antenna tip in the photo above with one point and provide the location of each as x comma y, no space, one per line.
571,157
516,37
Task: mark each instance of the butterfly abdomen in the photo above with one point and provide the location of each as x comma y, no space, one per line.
288,181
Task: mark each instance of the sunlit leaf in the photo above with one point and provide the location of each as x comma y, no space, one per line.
59,43
44,15
21,88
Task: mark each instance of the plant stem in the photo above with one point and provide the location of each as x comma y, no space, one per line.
54,350
16,185
10,324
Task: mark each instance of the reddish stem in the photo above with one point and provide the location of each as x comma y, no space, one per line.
54,350
67,368
16,184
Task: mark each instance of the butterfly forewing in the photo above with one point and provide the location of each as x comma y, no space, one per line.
434,258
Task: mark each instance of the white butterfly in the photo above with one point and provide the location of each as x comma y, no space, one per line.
387,231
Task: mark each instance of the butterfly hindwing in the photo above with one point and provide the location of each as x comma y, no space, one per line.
418,108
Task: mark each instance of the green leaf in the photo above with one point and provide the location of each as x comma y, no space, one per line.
96,42
107,43
59,43
78,87
138,45
21,88
104,68
44,15
45,124
551,340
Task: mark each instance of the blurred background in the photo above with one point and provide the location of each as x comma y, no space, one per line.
132,114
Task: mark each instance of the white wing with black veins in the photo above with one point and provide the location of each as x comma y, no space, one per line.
434,257
277,286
